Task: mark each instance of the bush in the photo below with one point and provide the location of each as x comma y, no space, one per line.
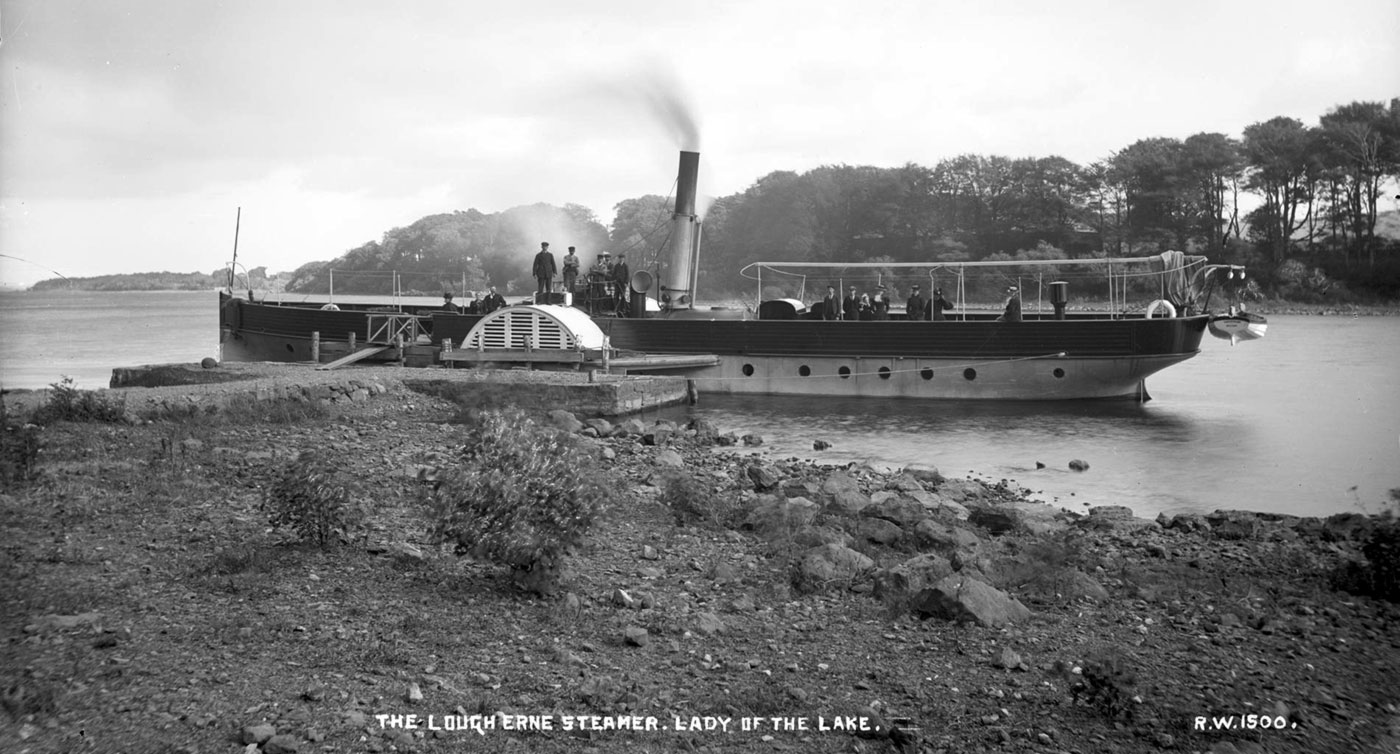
1379,576
1108,685
524,495
67,403
691,501
311,497
19,449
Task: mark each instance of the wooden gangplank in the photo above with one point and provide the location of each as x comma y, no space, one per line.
514,355
654,361
360,355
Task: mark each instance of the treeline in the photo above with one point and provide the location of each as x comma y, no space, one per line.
1299,204
157,281
137,281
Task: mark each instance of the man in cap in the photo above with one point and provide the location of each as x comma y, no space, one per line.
544,269
850,305
831,305
916,309
622,281
571,264
1013,305
599,275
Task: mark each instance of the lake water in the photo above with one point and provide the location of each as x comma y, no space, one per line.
1305,421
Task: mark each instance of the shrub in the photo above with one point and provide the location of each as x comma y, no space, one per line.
1379,576
1108,684
19,449
67,403
691,501
311,497
524,495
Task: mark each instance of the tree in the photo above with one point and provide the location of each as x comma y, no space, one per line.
1107,205
1215,167
1277,152
1158,192
1361,146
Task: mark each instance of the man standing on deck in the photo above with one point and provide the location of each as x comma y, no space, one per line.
831,305
850,305
599,275
939,305
544,269
570,270
1013,306
492,302
915,308
622,282
447,305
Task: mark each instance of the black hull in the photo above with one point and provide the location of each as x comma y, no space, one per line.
973,339
1036,359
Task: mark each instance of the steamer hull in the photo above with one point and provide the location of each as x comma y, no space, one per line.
972,360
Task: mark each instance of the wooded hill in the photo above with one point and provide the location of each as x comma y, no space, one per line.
154,281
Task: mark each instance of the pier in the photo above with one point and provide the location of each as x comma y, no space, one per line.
587,393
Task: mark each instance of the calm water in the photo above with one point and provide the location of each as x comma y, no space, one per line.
1305,421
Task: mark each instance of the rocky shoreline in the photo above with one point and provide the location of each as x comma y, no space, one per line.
152,608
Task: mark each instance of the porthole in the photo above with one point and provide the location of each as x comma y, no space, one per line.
804,371
969,374
845,373
1059,373
884,373
747,370
926,373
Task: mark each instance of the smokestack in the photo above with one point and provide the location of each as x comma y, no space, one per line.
676,292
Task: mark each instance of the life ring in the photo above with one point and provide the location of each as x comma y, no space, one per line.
1152,308
330,308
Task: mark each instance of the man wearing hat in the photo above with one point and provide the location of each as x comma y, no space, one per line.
1013,305
544,268
599,276
571,264
916,309
938,305
622,280
447,304
831,305
850,305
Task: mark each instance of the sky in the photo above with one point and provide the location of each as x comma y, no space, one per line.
134,133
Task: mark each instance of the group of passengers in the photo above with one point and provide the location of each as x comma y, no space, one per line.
606,280
874,307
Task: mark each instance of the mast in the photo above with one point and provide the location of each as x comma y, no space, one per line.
232,266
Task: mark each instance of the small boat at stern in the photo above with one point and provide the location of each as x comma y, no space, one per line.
1238,325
